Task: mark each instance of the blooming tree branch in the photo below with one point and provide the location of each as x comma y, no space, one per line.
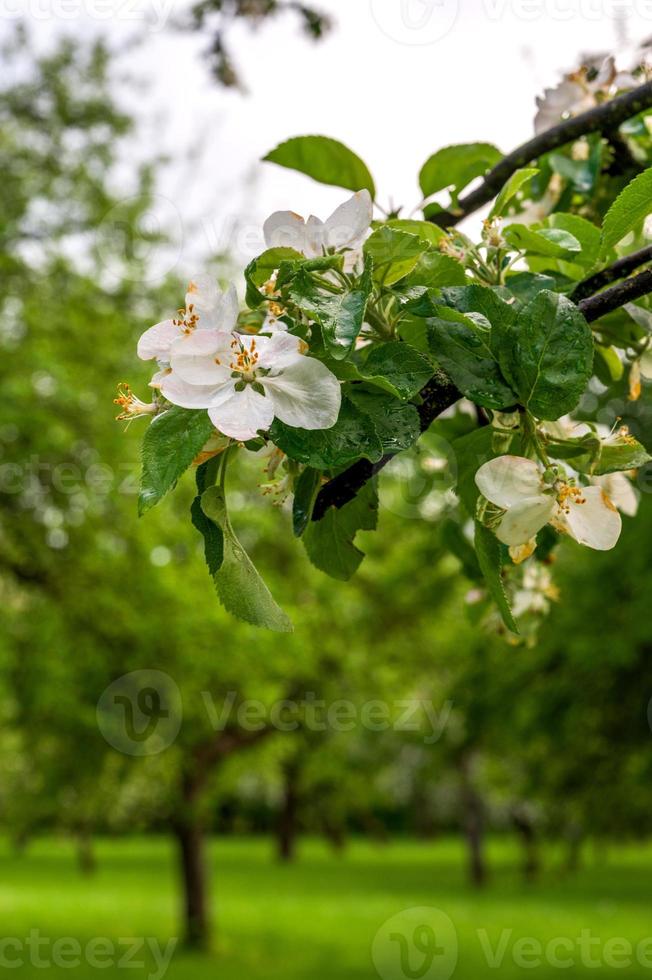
605,117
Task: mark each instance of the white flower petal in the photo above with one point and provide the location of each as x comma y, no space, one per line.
203,357
620,491
186,395
241,414
595,523
156,342
506,480
315,237
305,394
279,350
556,102
525,519
228,309
349,223
285,229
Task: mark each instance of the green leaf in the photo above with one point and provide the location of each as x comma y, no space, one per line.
171,443
396,422
464,350
618,457
456,166
608,365
305,494
353,436
482,300
260,271
630,208
240,588
394,254
525,285
341,315
487,548
329,542
553,243
212,535
401,365
325,160
547,355
583,231
515,183
434,270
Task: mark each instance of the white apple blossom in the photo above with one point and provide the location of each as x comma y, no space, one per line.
576,94
246,382
620,491
533,497
207,308
345,229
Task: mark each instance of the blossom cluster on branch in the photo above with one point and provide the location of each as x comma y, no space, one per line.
364,336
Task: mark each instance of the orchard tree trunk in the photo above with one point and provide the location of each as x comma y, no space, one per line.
527,832
287,820
85,854
191,839
473,824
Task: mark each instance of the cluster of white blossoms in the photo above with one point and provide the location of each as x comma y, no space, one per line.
245,381
531,496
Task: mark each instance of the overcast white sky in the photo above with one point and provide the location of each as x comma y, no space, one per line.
396,80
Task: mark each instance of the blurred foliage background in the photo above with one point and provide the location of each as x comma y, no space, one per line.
527,768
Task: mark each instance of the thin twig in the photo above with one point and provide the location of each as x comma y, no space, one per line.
612,299
620,269
605,118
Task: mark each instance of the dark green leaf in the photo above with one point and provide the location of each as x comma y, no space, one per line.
171,443
212,535
340,315
547,355
434,269
630,208
396,422
329,542
260,271
401,365
305,493
353,436
516,183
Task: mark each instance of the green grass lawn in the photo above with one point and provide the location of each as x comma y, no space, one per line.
316,919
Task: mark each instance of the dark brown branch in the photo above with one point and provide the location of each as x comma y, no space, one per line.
623,267
605,118
612,299
438,395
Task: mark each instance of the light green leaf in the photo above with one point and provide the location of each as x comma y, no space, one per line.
630,208
547,355
619,457
260,271
325,160
428,232
487,548
329,542
456,166
171,443
552,242
240,588
434,270
394,254
515,183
